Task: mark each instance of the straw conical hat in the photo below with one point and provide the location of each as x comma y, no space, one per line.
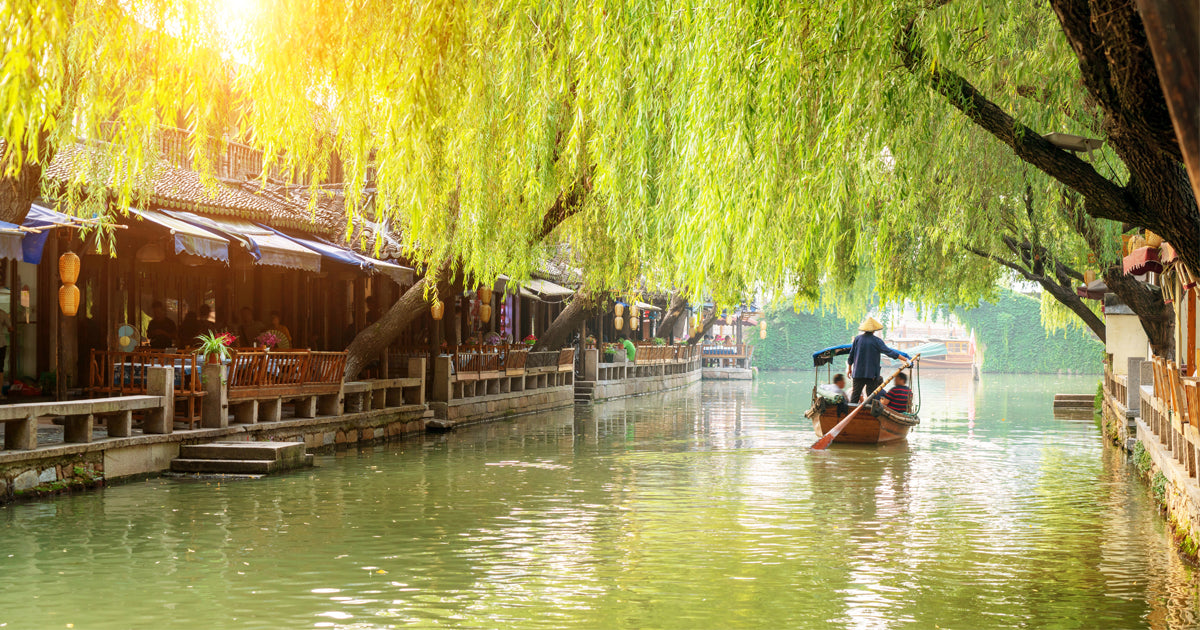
870,324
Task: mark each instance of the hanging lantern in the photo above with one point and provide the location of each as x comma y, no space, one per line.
437,309
762,329
618,322
68,268
633,321
485,295
619,309
68,299
633,311
485,312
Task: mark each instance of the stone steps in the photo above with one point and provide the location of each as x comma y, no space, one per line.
584,392
242,458
1073,401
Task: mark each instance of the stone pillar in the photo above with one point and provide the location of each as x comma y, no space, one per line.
591,364
441,379
78,429
20,435
120,424
1133,378
214,409
416,369
160,381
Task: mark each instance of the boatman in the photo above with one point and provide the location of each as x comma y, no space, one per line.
864,359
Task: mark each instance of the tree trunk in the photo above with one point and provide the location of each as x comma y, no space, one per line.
674,310
1068,298
581,308
1157,317
705,324
375,338
18,193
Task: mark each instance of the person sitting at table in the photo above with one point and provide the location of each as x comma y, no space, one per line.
281,331
161,330
249,328
195,324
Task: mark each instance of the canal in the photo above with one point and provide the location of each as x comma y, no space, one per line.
700,508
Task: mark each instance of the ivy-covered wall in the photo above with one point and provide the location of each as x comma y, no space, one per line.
793,337
1010,333
1014,340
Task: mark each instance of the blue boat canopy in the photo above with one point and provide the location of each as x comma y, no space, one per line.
824,357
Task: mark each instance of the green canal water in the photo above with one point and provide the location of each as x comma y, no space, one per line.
700,508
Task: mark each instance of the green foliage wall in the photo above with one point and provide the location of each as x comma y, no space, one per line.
1014,340
793,337
1010,331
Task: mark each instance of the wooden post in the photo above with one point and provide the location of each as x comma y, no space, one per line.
160,381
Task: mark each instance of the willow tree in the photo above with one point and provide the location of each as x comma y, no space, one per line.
726,147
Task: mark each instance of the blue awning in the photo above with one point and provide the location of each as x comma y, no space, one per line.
189,238
10,241
264,245
329,250
44,219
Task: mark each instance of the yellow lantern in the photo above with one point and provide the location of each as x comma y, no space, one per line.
762,329
620,310
68,299
485,295
485,312
633,311
618,323
436,309
68,268
633,321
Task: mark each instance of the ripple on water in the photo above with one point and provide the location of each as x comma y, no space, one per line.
697,508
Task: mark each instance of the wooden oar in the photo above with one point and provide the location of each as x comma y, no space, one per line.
830,435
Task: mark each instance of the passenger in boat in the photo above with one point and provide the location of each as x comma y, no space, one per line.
899,397
864,358
839,382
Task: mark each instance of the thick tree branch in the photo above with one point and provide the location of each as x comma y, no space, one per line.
1064,293
1110,200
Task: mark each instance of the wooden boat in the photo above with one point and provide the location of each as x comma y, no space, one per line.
877,425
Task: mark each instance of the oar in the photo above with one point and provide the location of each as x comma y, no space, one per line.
830,435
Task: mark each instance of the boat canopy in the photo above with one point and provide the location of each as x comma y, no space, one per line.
824,357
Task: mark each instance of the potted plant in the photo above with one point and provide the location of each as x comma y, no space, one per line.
215,346
589,342
610,352
530,340
659,341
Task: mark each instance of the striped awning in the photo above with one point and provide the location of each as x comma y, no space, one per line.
263,244
189,239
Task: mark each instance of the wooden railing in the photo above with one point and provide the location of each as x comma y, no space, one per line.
1116,384
125,374
476,362
1173,413
257,374
514,361
566,359
738,351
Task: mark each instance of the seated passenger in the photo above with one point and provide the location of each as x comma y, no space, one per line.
899,397
839,381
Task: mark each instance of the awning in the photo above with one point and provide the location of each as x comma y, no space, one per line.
10,241
399,273
329,250
44,219
265,245
189,238
1093,290
1142,260
544,290
642,306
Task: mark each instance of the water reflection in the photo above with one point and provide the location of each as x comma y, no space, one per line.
695,508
